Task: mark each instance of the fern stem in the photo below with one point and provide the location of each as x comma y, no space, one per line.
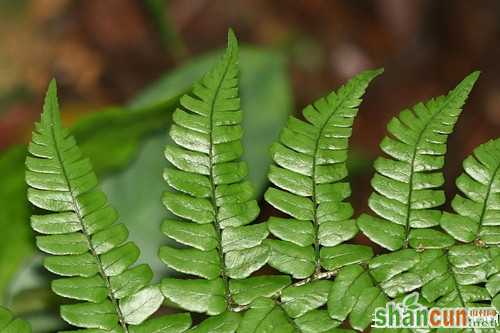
317,276
78,213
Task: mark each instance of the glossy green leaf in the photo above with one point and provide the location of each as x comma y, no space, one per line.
265,316
91,315
80,233
246,291
298,300
316,321
309,175
112,137
292,259
361,315
406,185
192,261
345,254
196,295
227,322
210,190
298,232
138,307
241,263
350,283
175,323
477,216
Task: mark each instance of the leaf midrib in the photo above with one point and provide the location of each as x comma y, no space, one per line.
412,168
85,232
455,281
487,198
316,204
218,231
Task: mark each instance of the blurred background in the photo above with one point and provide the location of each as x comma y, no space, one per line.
121,64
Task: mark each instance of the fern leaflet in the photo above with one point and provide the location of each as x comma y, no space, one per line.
309,172
215,202
477,221
406,193
477,215
79,231
448,275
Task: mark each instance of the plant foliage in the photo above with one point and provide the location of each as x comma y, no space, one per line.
79,233
9,324
407,184
215,201
325,281
310,174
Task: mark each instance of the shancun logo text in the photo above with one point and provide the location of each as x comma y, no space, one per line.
408,313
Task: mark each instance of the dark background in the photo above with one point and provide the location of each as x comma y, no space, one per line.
104,51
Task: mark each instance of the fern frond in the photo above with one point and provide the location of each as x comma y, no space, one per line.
79,233
309,172
354,296
9,324
477,215
215,201
358,290
267,315
476,221
407,184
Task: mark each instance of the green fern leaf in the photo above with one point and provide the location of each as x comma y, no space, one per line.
465,275
354,296
406,186
468,268
266,316
476,221
9,324
477,215
79,233
215,202
227,322
166,324
309,172
318,321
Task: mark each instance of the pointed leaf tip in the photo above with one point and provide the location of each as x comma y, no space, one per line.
51,104
370,74
375,72
51,89
464,88
232,41
472,78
